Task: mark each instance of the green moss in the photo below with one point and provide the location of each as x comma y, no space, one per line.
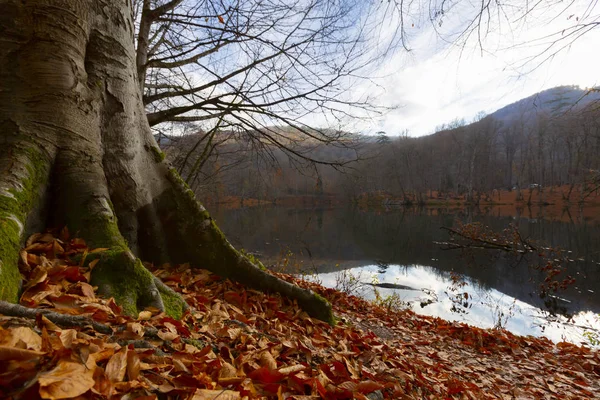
253,259
120,275
15,205
176,178
10,240
156,153
318,307
102,231
174,305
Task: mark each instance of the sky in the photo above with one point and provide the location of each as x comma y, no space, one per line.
435,83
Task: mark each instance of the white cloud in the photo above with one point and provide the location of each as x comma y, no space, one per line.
434,86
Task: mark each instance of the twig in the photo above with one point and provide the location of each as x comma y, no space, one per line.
484,244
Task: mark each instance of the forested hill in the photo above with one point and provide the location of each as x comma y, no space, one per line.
555,101
548,139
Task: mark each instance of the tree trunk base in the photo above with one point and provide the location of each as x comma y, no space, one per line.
77,147
121,275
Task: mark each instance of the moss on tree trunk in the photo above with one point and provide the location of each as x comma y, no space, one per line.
21,190
121,275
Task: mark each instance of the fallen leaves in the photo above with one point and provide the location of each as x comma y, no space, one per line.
242,344
65,381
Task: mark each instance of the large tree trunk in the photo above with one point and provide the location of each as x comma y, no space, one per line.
77,151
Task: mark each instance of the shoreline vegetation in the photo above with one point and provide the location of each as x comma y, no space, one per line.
555,203
236,343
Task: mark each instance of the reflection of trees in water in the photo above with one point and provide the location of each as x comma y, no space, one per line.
382,266
408,237
405,237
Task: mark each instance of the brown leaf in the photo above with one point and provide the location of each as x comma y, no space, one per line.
99,356
227,371
12,353
67,337
66,380
135,329
39,274
165,335
23,257
144,315
206,394
99,250
117,366
267,360
291,369
42,321
369,386
87,290
23,338
133,365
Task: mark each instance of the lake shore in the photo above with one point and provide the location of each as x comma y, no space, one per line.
558,203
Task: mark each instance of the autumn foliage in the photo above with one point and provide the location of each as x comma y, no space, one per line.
236,343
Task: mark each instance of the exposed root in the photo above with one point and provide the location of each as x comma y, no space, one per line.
121,275
75,321
191,236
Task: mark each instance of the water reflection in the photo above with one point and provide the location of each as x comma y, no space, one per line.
488,308
397,247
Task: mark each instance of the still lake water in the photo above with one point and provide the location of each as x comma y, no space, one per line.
397,246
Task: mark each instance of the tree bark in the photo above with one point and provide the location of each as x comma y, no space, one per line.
78,152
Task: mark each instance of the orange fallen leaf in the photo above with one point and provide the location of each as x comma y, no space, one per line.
21,337
206,394
267,360
12,353
66,380
144,315
117,366
133,365
67,337
366,387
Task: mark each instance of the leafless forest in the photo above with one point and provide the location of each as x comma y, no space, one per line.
522,146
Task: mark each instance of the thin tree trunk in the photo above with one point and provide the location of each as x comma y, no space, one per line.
76,141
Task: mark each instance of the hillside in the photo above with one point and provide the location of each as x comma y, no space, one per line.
555,101
550,139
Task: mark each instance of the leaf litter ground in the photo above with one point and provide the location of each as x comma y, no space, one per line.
63,342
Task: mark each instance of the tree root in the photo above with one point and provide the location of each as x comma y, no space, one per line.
64,320
121,275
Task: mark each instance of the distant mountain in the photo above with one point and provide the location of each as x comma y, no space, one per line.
554,102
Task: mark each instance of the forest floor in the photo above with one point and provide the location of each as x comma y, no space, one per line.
236,343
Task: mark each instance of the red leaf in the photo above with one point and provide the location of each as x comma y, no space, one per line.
367,387
265,375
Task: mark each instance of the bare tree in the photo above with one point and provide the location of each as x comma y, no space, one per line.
249,66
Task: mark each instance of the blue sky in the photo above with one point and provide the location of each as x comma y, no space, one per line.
436,83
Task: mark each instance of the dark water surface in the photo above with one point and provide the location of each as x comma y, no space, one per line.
397,246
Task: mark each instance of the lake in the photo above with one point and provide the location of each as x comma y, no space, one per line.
397,246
